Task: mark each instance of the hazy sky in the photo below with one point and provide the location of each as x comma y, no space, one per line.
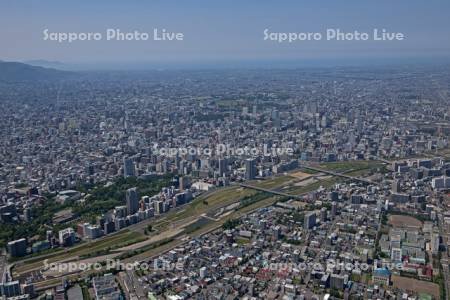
222,30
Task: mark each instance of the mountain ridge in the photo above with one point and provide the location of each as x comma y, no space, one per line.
17,72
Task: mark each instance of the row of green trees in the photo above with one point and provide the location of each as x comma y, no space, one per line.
102,199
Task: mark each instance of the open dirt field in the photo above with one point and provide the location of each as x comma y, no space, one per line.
300,175
418,286
400,221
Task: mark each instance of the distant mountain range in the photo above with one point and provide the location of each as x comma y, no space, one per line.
45,63
16,72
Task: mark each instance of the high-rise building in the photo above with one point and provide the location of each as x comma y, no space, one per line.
337,281
333,209
81,228
250,169
276,232
66,237
120,211
27,214
93,231
223,166
132,199
435,243
109,227
396,254
359,123
120,223
310,220
324,122
203,272
128,167
10,289
17,248
158,206
323,214
396,186
276,118
182,183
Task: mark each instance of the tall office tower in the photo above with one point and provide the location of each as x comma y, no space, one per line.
276,118
359,124
323,214
396,254
223,166
128,167
132,198
333,209
396,186
159,207
66,237
17,248
184,167
310,220
312,107
182,182
324,121
435,241
250,169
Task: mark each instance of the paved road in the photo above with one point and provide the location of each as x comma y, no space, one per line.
366,181
269,191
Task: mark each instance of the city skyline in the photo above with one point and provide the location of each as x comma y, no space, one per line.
168,150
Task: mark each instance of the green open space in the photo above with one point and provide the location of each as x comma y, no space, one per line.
353,165
274,182
108,243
